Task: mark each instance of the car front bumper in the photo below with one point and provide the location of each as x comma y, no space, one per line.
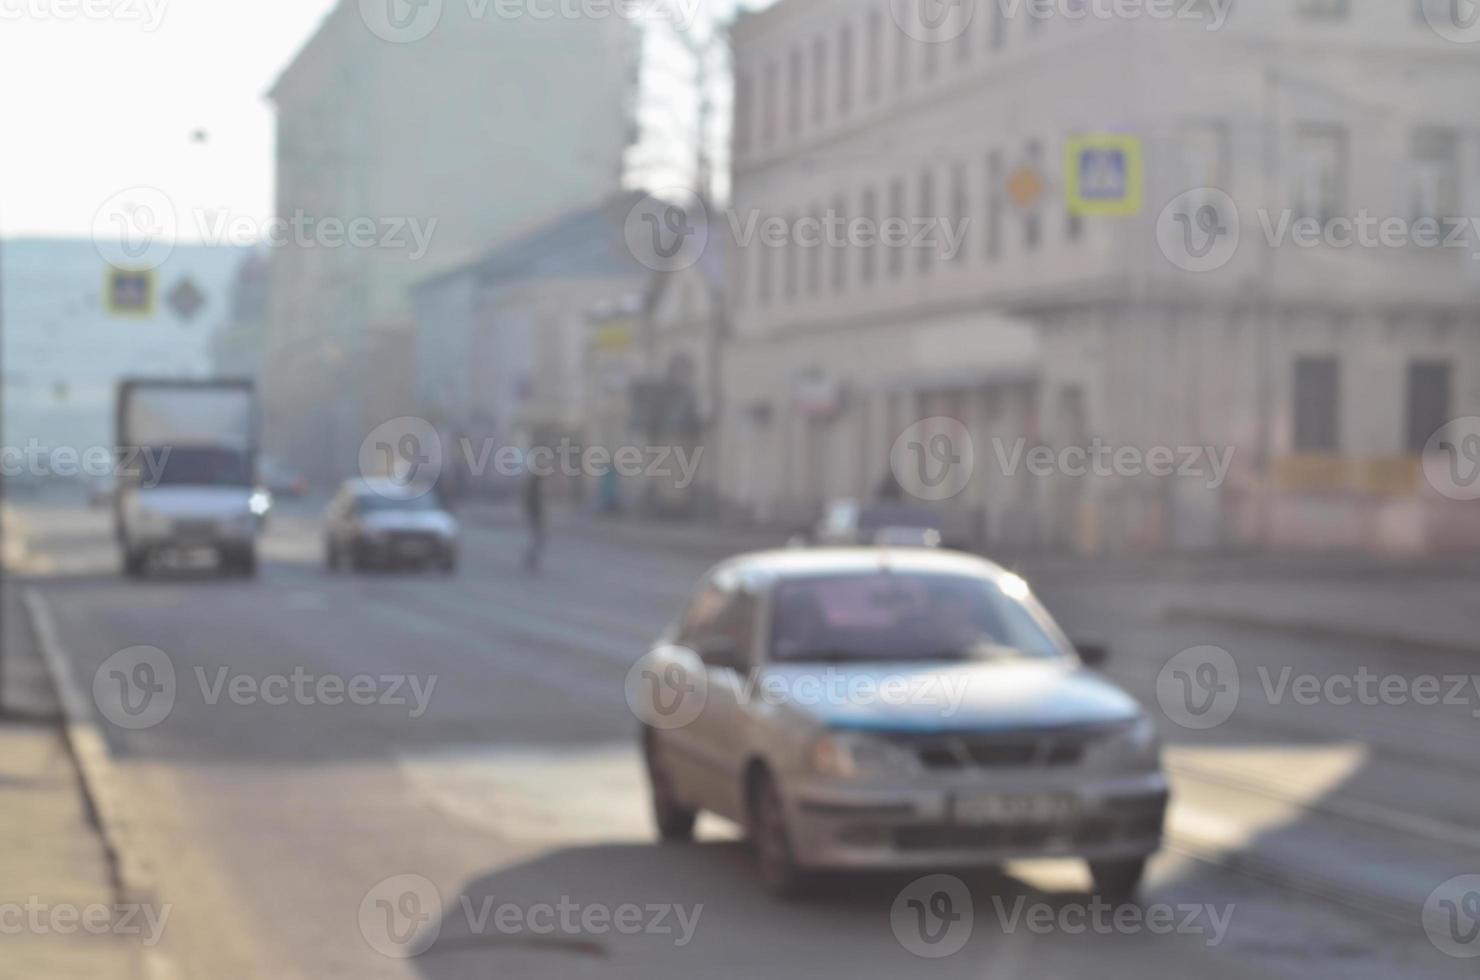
1109,817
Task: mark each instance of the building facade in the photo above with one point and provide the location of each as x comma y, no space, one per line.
1185,322
437,144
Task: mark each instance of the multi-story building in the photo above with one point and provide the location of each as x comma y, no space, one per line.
1322,369
237,347
439,139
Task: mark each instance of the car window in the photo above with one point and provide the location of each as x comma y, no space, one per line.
890,616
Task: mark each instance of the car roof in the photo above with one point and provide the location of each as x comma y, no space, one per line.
764,568
386,487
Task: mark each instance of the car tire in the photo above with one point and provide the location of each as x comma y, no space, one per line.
1118,881
770,840
675,822
246,565
448,564
331,557
133,563
357,559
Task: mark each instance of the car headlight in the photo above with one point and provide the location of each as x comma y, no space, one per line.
850,755
1137,747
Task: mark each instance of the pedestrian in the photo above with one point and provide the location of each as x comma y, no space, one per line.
534,513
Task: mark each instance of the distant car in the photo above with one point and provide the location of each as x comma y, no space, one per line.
383,523
998,741
100,490
849,522
281,479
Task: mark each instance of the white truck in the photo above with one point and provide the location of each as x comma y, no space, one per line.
187,461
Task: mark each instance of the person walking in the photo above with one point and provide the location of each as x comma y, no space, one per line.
534,513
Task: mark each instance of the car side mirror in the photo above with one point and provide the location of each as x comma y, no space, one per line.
1094,653
720,651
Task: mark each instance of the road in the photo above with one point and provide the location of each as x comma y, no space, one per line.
493,761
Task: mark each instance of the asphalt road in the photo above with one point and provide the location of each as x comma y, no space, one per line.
493,762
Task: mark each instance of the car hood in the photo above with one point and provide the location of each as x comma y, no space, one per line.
945,698
195,503
429,521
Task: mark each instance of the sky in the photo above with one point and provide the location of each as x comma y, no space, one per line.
105,95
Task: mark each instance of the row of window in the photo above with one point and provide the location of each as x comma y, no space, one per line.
1318,404
819,80
878,241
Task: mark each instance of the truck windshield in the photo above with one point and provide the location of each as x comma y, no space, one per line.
893,617
192,467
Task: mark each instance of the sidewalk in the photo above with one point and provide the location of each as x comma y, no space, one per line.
55,873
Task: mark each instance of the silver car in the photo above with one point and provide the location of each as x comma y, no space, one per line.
871,708
381,522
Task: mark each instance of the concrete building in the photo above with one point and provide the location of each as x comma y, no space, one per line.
437,141
241,339
65,349
500,349
1322,369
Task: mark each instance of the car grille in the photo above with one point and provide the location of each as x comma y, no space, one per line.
1085,832
415,540
995,750
194,529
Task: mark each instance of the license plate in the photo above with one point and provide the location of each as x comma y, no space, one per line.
414,549
1001,808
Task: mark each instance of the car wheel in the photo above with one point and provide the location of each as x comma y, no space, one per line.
133,563
448,564
770,839
1118,880
331,556
358,561
246,564
675,822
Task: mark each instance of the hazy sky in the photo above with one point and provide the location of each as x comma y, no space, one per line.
94,105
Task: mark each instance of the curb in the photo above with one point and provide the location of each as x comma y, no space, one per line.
1319,630
100,780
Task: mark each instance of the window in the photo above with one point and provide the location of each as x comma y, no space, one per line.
875,70
1320,169
763,272
896,212
1429,384
1322,9
845,70
1435,192
1204,155
1033,215
791,260
744,95
794,92
814,263
901,61
868,252
1317,405
840,251
925,259
960,211
994,206
738,259
819,81
768,126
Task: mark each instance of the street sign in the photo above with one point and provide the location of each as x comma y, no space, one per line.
130,292
1103,174
186,299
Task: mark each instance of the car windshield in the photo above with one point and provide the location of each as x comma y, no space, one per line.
203,468
886,616
374,503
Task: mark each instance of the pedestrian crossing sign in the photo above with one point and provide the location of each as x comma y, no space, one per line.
1104,174
130,292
